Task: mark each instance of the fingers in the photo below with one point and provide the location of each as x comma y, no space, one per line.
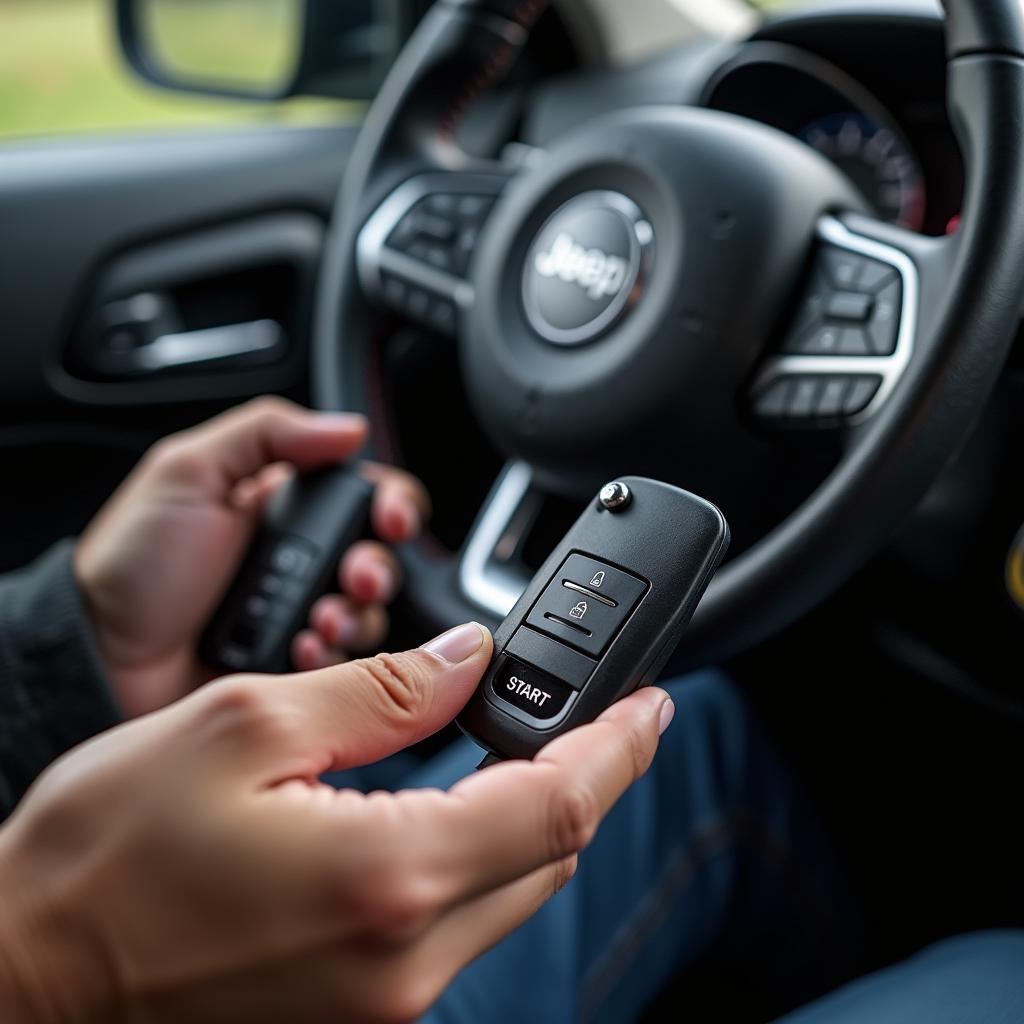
357,622
514,818
347,626
240,443
365,710
474,927
370,573
310,652
253,492
400,505
338,628
405,985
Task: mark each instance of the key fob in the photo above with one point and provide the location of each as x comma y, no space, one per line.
293,560
601,617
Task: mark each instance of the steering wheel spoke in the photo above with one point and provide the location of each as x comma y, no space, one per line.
492,574
415,250
851,338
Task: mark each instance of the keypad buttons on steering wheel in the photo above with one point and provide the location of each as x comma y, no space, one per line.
849,338
806,398
851,308
414,252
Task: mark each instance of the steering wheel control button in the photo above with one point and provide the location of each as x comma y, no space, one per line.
803,399
853,306
586,267
874,275
832,397
861,391
850,307
885,319
815,399
853,342
414,252
772,402
614,496
528,689
564,662
844,268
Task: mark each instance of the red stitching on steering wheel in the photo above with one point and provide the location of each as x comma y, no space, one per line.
490,72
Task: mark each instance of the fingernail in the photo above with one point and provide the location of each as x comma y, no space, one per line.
457,644
668,710
339,421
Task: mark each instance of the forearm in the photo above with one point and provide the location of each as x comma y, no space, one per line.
53,692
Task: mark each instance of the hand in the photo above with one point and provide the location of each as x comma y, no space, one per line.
157,559
190,867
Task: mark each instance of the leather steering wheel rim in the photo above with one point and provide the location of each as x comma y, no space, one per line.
967,312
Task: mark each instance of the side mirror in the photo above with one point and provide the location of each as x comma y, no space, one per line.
265,49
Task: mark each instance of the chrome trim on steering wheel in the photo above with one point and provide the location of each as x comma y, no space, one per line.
889,368
485,574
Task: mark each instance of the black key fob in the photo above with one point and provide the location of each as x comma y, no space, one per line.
292,561
601,617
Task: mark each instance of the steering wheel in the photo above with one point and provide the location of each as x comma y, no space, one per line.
657,291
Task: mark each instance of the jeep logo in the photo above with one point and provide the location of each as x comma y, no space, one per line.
597,273
582,270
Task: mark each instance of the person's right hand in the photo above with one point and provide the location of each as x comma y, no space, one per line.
189,866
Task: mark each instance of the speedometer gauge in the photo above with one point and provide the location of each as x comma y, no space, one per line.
878,162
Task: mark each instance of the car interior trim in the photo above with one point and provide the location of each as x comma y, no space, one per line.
484,578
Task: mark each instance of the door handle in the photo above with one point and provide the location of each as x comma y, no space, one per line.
144,335
191,348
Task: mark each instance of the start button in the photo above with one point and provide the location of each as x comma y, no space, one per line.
538,694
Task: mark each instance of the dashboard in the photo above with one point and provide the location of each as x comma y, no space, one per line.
866,90
818,103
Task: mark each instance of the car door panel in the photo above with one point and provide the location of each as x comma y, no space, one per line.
225,228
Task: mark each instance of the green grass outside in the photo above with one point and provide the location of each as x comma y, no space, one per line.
240,41
61,72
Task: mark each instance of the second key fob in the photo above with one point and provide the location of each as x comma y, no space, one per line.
293,559
600,618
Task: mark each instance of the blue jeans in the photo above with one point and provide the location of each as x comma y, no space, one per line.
710,866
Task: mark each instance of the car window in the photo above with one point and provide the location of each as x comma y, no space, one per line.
61,72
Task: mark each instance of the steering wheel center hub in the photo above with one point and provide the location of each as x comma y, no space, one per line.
586,268
624,288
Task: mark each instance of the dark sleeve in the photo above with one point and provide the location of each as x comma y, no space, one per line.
53,690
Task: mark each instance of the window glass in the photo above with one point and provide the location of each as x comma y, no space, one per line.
61,72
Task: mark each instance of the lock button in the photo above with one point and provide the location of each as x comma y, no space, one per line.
602,580
585,604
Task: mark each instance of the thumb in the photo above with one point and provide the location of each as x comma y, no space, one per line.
362,711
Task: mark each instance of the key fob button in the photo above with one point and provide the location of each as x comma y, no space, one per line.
576,618
528,689
292,557
586,603
603,580
558,659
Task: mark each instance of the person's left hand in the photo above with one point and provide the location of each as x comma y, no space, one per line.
157,559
